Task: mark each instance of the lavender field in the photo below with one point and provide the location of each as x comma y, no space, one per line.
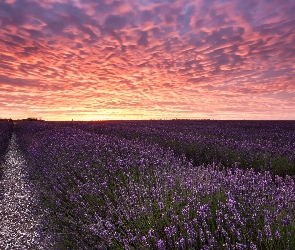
162,184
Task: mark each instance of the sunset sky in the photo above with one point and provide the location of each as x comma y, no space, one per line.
147,59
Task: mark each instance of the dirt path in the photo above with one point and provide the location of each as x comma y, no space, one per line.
18,218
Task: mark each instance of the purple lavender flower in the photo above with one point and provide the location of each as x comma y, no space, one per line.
161,245
182,243
161,205
253,246
277,234
267,232
151,233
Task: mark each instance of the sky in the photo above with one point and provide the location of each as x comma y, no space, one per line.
147,59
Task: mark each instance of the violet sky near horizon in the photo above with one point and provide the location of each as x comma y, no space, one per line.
147,59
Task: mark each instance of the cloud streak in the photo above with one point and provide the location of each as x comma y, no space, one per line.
107,59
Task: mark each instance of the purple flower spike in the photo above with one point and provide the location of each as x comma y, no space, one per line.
161,245
161,205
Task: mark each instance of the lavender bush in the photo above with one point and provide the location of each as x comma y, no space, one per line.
105,192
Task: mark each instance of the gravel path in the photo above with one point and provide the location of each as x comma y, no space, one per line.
18,218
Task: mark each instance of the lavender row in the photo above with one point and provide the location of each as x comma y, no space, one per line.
261,145
102,191
6,128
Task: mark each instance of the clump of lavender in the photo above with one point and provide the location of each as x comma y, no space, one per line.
6,128
102,191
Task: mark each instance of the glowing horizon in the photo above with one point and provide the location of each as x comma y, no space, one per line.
156,59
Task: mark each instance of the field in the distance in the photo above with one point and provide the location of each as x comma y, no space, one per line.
164,184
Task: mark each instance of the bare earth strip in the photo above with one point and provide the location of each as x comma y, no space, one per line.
18,218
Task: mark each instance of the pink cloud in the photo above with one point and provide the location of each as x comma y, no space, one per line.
164,58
